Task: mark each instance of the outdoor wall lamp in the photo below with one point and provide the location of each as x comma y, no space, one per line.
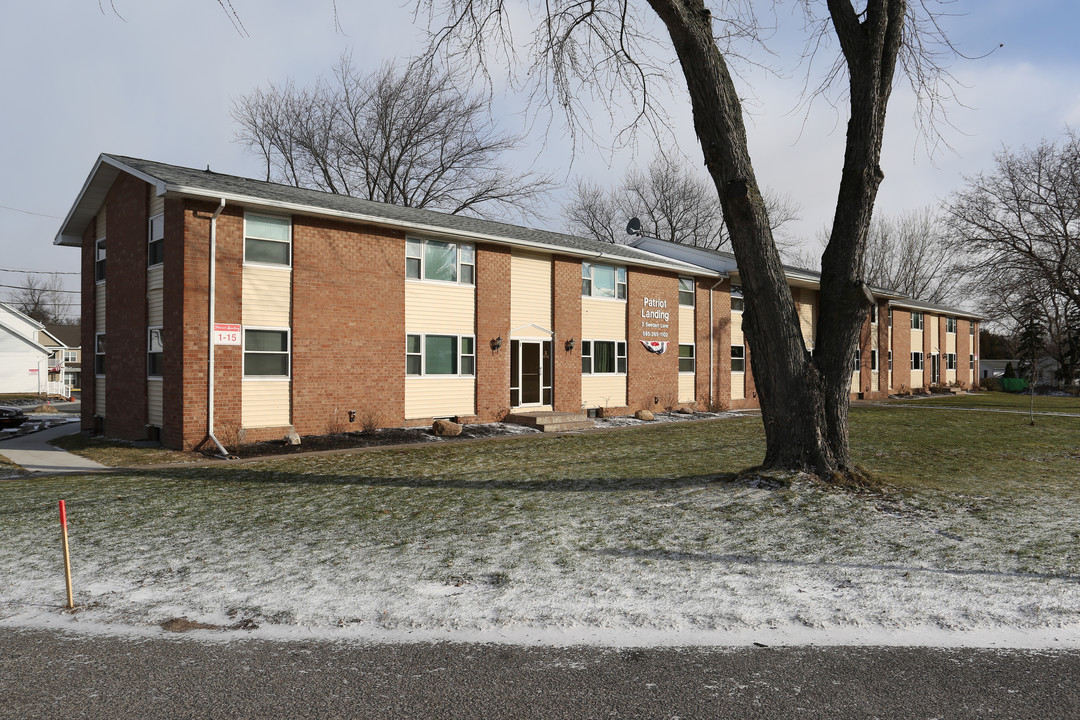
496,343
352,416
569,344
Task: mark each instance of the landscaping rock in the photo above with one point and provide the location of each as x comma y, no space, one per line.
644,415
446,428
292,438
686,410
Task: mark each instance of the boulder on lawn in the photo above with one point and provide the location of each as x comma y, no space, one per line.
292,438
644,415
446,428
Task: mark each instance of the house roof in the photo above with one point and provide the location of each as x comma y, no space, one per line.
725,261
176,181
11,319
69,335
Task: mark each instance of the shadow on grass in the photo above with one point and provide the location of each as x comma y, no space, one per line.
595,484
732,559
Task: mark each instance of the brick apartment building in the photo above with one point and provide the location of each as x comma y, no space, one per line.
246,309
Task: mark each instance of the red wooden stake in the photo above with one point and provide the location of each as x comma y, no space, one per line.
67,557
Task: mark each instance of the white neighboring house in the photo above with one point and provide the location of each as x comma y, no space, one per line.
24,362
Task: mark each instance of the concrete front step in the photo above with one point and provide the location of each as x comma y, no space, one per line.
548,421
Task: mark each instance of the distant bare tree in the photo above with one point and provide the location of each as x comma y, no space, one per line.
672,203
43,298
910,253
406,136
1022,220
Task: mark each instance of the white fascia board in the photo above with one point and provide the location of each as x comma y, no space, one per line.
430,230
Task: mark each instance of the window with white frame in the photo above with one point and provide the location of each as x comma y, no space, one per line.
603,357
873,314
736,298
950,325
950,361
916,320
856,362
432,354
99,260
971,361
266,352
154,352
267,240
916,361
686,292
99,354
603,281
890,360
71,356
155,248
971,327
686,358
738,358
440,261
873,361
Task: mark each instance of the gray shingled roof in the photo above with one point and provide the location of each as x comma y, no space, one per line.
187,181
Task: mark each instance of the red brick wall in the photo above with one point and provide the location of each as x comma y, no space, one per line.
348,336
493,321
864,357
650,375
703,358
172,373
963,351
721,319
901,349
883,348
929,328
228,290
125,308
566,316
88,289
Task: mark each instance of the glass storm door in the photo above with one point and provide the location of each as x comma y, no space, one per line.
935,369
530,373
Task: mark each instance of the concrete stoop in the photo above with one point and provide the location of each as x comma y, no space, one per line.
548,421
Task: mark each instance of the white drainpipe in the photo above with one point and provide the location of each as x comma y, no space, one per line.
210,347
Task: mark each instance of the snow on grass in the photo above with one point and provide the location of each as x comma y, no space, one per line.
498,541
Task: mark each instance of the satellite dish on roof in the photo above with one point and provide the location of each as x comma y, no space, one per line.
633,227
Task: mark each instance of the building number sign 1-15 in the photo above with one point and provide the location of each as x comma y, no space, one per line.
226,334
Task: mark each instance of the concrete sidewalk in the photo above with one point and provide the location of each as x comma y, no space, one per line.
34,453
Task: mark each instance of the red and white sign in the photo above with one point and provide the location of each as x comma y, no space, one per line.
226,334
33,371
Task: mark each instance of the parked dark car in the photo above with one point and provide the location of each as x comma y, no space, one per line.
11,417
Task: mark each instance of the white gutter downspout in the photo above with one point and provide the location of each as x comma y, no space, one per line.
712,347
211,337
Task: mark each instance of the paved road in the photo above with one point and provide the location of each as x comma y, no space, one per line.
34,453
45,674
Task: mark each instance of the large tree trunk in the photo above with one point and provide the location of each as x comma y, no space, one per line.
804,400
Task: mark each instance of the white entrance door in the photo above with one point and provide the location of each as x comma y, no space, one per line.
530,373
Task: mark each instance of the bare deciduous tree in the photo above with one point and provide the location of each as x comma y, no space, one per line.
605,46
1022,220
402,136
672,203
43,298
910,253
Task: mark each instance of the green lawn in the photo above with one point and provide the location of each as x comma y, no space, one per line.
1004,401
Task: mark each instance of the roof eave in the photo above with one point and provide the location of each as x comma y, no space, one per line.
92,196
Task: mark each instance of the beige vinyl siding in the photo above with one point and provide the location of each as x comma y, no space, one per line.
155,303
99,396
265,403
808,302
738,391
530,290
155,406
686,325
266,299
916,377
440,308
434,396
603,390
687,388
99,229
99,308
157,205
603,319
950,342
855,382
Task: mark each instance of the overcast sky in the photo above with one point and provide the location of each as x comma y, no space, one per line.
155,80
